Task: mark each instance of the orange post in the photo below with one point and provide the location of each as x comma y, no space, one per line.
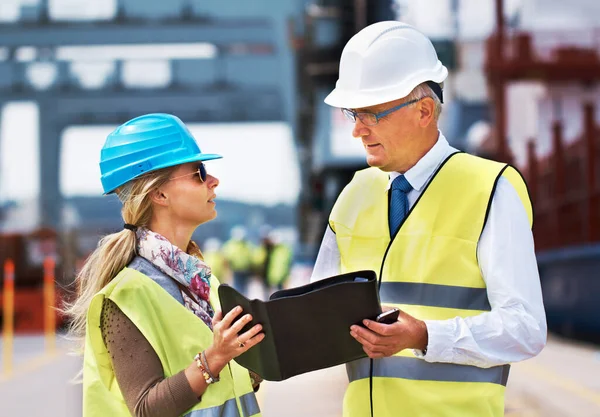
49,299
8,311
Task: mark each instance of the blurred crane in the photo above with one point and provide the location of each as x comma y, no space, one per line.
564,185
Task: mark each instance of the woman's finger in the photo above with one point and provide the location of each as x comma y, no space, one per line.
229,317
239,324
217,317
252,342
250,333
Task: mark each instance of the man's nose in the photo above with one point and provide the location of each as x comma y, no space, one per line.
360,129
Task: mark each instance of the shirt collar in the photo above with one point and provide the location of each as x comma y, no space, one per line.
423,170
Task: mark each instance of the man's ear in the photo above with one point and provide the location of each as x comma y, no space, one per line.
159,197
426,111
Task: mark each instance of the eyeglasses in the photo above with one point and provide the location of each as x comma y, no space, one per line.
371,119
201,172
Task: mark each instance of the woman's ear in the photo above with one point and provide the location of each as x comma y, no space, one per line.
159,197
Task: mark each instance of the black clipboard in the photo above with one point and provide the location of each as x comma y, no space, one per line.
306,328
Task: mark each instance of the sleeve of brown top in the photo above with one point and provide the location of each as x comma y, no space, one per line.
139,371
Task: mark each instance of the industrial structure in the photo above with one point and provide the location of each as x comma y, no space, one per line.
225,64
261,61
240,70
270,60
564,184
254,61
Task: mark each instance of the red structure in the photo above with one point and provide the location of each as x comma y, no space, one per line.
565,185
28,252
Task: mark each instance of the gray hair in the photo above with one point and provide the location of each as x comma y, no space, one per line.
422,91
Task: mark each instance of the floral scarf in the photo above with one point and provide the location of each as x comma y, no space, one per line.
187,269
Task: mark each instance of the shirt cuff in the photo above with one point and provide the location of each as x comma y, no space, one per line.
440,335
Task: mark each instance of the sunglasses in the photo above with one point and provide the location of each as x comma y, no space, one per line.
201,172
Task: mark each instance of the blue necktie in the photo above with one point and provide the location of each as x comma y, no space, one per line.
398,203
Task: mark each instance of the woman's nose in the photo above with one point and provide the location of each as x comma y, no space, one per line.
212,181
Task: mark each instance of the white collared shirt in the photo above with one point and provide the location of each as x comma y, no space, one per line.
515,329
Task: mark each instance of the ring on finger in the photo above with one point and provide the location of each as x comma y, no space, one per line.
240,343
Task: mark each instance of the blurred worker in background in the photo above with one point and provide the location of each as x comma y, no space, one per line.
273,260
239,252
145,354
214,257
448,233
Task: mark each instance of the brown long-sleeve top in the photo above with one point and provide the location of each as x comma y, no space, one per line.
138,369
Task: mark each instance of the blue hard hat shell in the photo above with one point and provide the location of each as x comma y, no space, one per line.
145,144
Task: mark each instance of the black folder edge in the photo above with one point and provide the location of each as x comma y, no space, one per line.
293,292
258,309
338,280
326,282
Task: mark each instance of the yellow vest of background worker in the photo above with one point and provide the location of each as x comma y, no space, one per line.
279,266
217,263
430,270
278,269
175,333
239,254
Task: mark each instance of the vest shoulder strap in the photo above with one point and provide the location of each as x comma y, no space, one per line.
366,185
166,282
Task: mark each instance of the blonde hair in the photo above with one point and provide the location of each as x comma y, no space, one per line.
116,250
422,91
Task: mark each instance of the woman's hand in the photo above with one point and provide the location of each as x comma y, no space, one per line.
226,342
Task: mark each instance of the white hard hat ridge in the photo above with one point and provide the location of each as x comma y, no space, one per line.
384,62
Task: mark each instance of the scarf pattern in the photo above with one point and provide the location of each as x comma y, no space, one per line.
188,270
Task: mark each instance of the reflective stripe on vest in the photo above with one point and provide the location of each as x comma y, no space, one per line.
418,369
434,295
229,409
249,404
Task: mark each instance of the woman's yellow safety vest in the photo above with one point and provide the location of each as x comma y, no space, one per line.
176,335
429,270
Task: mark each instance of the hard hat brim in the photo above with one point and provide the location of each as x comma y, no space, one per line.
200,157
353,99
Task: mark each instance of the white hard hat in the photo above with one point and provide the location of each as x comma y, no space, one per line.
384,62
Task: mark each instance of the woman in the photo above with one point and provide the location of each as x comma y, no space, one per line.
155,342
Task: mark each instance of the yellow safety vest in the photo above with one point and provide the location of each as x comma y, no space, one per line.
279,265
239,255
429,269
175,333
217,263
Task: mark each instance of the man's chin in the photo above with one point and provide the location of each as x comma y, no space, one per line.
375,162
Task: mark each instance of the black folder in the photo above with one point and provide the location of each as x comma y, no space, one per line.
306,328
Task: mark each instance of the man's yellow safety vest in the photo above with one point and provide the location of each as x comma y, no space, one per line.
429,269
175,333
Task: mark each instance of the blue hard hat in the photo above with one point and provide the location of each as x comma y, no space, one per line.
145,144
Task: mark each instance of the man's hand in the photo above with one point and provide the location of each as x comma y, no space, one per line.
381,340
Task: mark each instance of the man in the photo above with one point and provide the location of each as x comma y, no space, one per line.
448,233
211,251
274,261
238,252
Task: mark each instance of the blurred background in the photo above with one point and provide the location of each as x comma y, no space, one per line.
249,78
